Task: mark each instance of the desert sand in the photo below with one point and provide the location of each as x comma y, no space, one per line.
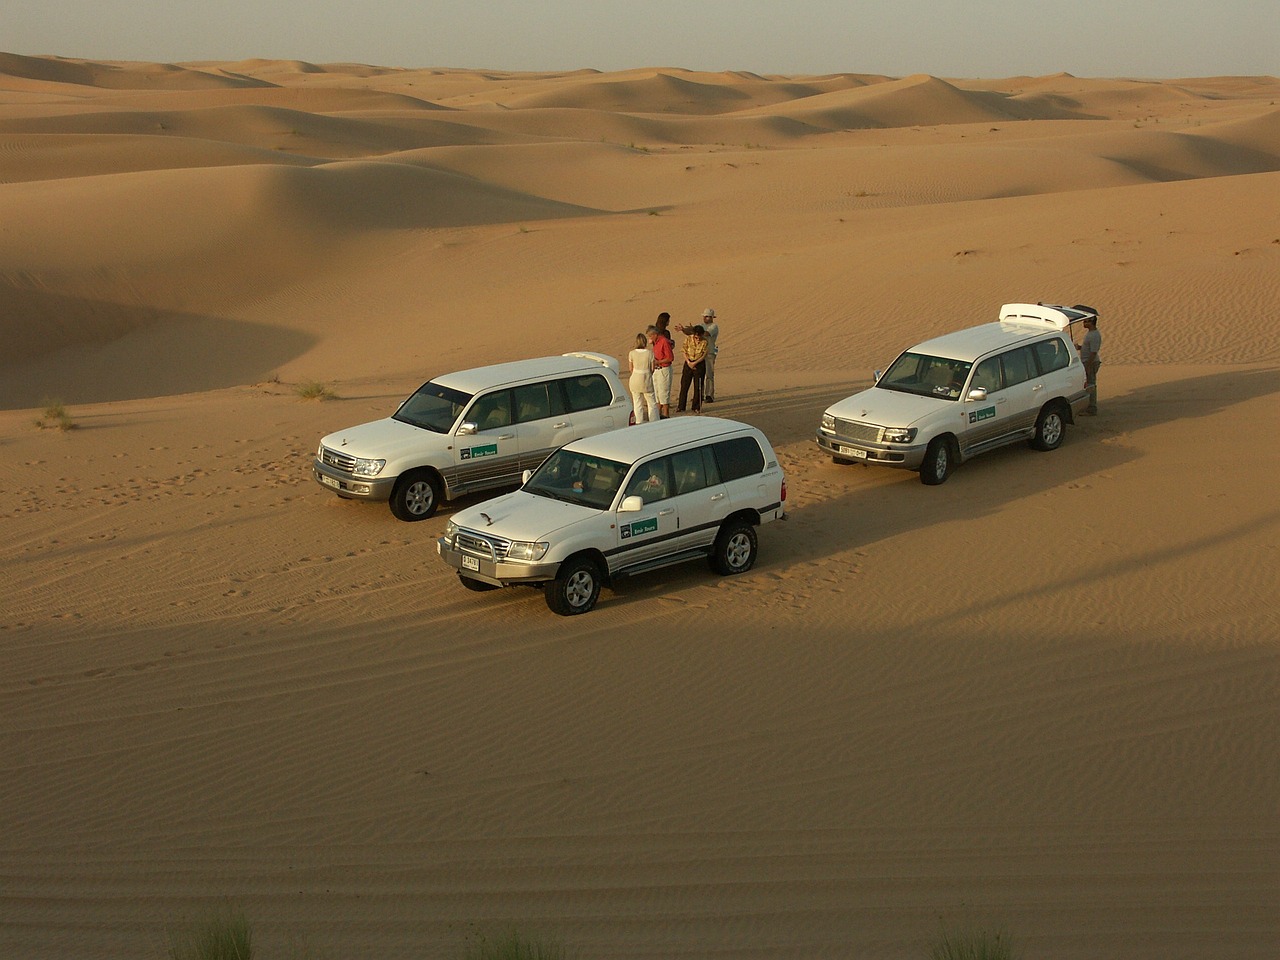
1043,698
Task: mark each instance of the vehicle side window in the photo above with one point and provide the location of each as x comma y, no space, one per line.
739,457
988,375
537,401
1051,354
587,392
651,481
690,470
1019,366
491,411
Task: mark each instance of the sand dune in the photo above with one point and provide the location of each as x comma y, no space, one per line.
1041,697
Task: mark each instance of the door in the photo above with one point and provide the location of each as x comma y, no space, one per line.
542,423
647,534
701,499
490,457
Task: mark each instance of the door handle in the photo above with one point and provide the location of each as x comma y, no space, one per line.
560,426
717,496
1038,386
667,512
506,436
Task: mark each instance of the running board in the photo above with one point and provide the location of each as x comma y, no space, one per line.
661,562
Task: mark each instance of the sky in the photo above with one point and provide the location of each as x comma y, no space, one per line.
945,38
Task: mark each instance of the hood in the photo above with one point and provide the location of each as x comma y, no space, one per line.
523,516
383,440
889,408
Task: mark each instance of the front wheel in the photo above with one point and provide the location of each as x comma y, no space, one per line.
575,588
416,496
1051,429
735,549
937,462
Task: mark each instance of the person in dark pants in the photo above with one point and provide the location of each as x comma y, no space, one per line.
1089,351
694,349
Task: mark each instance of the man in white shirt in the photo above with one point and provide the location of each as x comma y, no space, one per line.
711,330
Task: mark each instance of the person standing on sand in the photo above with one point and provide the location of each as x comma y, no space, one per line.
1089,350
711,330
643,401
695,357
663,356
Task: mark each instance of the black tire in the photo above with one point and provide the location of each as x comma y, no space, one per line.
842,461
1051,428
938,457
416,496
479,586
735,548
575,588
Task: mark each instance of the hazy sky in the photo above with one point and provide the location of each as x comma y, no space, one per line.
948,38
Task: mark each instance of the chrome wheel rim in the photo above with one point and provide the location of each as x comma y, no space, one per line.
579,587
738,551
1052,431
419,497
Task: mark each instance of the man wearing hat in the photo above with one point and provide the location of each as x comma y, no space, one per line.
710,330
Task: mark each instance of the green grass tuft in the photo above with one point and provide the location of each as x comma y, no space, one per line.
55,417
313,390
225,935
973,945
512,946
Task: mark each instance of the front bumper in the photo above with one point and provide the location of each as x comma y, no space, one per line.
500,573
345,485
902,455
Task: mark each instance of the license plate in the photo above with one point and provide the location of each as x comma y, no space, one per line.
470,563
853,452
330,482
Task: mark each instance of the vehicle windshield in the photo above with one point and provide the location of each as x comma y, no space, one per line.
577,478
926,376
433,407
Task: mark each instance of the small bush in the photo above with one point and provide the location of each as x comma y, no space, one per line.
512,946
313,390
55,417
973,945
225,935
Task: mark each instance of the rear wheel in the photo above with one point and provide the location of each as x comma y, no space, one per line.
1051,429
575,588
937,462
416,496
735,548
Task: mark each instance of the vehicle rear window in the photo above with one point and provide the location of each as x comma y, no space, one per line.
739,457
587,392
1051,354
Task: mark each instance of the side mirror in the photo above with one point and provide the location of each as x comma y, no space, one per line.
875,375
524,477
978,393
467,429
631,504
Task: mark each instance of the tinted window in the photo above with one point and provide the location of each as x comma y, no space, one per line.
651,481
587,392
1051,354
988,375
1018,366
537,401
740,457
491,411
689,470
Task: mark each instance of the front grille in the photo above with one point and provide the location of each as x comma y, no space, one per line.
333,458
494,548
854,430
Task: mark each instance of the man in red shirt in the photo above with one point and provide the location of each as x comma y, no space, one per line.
663,356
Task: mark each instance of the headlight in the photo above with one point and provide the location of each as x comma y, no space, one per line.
828,423
450,530
899,434
368,468
524,550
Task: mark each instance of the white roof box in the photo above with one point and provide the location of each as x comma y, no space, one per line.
600,358
1045,314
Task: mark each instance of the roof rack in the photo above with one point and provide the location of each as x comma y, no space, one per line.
1045,314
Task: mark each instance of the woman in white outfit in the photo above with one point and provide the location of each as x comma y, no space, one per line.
643,398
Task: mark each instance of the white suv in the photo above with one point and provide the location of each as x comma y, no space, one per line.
472,431
956,396
621,503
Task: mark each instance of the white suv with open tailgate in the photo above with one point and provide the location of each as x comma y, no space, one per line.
472,431
621,503
962,394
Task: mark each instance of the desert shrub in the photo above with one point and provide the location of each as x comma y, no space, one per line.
224,935
55,417
972,945
513,946
314,390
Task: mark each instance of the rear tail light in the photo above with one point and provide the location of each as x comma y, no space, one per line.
631,420
784,491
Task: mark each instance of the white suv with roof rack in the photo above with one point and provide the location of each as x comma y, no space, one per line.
621,503
472,431
962,394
